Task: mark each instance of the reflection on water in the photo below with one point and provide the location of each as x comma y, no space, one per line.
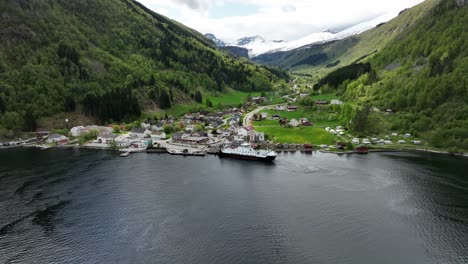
75,206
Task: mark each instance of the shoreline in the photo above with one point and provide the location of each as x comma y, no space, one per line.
442,152
377,150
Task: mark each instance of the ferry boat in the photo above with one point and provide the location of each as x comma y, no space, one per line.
246,152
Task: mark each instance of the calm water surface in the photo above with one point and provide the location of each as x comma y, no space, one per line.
75,206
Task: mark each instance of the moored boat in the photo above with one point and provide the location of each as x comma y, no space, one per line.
246,152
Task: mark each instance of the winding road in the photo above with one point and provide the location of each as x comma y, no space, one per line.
248,117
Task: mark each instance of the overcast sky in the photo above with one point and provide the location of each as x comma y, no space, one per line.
273,19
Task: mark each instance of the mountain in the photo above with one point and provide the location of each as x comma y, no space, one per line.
249,40
237,51
257,45
108,60
234,50
349,45
418,70
217,41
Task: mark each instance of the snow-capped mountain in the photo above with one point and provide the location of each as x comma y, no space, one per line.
216,40
256,45
248,40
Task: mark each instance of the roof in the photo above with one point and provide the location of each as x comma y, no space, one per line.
177,135
138,130
195,138
248,128
321,102
111,136
55,136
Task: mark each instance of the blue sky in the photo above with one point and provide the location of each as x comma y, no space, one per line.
273,19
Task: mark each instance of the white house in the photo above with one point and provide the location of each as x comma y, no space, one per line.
355,141
145,125
224,132
157,128
78,131
57,138
106,138
244,131
294,122
257,136
158,135
264,115
189,127
407,135
303,95
139,133
280,108
401,141
123,141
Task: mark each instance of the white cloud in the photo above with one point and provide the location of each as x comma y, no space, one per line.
275,19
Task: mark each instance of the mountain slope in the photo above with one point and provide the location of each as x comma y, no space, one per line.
335,54
106,58
422,76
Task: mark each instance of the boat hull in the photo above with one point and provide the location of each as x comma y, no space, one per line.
245,157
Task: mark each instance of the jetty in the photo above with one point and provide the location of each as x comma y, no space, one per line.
186,152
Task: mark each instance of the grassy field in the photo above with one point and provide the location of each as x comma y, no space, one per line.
317,118
232,98
235,98
298,135
327,97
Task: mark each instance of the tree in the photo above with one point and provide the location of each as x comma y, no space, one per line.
209,103
116,129
360,120
164,100
2,106
168,129
198,97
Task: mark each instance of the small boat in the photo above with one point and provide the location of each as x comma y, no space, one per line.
362,149
125,154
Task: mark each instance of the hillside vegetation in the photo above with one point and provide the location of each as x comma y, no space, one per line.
421,75
109,59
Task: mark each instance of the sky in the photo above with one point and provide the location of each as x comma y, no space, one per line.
273,19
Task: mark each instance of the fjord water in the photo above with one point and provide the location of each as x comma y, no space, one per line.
75,206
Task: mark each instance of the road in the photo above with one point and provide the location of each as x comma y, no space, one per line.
248,116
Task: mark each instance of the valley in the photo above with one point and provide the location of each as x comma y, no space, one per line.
404,76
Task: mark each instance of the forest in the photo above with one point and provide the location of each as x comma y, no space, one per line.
110,59
421,77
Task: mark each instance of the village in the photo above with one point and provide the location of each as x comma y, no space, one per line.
203,133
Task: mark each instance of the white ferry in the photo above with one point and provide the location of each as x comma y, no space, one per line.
246,152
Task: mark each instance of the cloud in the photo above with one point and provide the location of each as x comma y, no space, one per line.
193,4
289,8
273,19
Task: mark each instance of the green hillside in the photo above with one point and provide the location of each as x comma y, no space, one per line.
107,59
421,75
